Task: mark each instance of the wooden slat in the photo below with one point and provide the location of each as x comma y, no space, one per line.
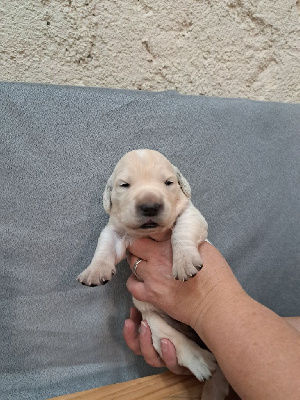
156,387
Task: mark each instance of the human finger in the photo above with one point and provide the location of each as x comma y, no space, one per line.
134,265
131,331
150,354
144,248
136,288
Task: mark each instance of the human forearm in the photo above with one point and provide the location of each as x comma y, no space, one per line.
294,322
257,350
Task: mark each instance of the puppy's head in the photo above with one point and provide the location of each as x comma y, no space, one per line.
145,193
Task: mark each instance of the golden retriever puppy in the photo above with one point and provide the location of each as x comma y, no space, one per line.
147,196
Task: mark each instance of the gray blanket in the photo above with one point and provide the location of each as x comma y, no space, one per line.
58,147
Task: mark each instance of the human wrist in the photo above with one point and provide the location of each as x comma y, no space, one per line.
199,296
223,298
215,286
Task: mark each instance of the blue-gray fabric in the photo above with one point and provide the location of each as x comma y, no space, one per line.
58,147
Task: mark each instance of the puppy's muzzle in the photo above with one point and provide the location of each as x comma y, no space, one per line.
149,209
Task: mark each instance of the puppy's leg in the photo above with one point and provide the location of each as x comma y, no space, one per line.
110,250
216,388
199,361
190,230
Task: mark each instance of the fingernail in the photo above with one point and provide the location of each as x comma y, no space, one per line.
126,325
164,345
143,327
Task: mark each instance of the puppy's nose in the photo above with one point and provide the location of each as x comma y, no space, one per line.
150,209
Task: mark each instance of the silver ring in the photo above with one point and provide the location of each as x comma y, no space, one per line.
134,268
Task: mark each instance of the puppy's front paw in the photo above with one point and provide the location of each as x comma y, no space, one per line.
186,264
96,275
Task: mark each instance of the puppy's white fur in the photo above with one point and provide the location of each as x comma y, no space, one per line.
147,196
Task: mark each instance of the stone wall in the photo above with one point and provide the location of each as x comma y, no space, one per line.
227,48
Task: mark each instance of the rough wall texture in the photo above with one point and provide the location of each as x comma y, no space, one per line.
228,48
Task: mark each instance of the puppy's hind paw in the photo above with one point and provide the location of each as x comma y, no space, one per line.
200,362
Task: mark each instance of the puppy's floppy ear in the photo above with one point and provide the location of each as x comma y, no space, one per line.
183,183
107,195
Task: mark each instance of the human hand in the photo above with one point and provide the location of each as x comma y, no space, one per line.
184,301
137,335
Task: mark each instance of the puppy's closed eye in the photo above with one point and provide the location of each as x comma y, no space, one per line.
124,184
169,182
